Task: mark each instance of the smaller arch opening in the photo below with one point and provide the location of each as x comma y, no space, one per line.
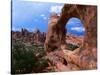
75,32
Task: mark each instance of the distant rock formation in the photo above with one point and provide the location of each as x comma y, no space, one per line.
32,37
39,37
75,40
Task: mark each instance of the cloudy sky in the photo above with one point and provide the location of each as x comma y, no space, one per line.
32,15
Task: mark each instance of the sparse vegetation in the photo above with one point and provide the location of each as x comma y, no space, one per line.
71,47
27,58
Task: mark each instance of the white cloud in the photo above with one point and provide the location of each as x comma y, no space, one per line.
45,18
42,15
78,29
56,9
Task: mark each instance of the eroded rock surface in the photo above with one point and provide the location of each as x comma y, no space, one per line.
86,56
32,37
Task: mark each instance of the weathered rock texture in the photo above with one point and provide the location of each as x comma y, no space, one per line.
57,33
51,36
32,37
56,28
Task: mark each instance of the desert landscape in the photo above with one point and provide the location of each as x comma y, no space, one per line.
57,50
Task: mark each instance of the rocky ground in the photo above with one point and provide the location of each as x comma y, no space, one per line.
67,60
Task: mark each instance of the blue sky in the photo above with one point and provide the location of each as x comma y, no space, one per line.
32,15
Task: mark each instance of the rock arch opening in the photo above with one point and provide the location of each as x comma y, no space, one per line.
75,32
75,27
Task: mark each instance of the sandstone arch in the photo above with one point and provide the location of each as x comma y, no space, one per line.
86,56
86,13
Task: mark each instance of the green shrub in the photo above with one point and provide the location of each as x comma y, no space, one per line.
71,47
23,60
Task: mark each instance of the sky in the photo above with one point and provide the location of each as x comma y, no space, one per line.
32,15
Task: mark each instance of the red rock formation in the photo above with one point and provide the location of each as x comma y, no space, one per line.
75,40
86,56
87,14
32,37
51,42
